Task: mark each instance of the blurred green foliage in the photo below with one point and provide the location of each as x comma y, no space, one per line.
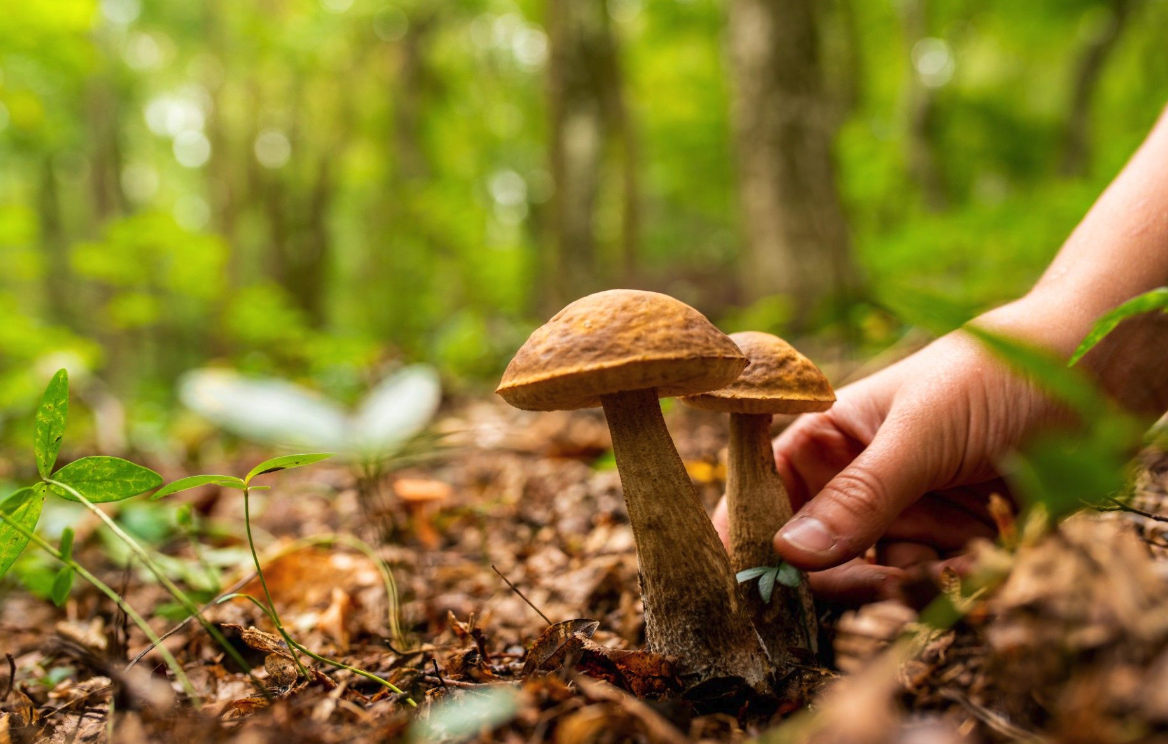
173,173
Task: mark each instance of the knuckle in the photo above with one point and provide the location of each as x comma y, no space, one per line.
861,494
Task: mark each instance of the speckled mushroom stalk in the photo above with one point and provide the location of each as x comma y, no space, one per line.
692,606
778,380
623,350
758,505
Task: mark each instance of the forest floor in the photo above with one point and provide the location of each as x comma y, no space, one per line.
1068,642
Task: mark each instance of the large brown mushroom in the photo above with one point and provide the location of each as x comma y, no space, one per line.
622,350
779,380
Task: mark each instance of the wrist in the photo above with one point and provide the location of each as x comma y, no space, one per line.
1128,364
1046,320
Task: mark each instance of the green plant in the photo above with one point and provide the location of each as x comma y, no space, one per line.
276,464
782,572
1157,299
102,479
383,432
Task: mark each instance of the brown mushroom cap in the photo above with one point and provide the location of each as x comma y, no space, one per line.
617,341
778,380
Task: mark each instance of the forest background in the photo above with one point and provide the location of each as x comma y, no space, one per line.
321,190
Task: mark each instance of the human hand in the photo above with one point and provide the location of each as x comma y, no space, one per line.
905,461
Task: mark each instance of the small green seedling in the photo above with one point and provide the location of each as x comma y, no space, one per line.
782,572
21,511
89,481
276,464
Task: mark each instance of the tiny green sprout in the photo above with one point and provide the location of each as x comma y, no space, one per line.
89,481
782,573
66,544
62,585
276,464
185,516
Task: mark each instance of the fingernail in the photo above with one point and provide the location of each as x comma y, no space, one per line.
809,534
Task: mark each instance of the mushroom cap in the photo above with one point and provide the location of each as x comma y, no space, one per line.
617,341
778,380
421,490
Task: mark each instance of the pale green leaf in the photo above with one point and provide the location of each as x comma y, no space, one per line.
285,462
194,481
788,575
102,479
66,545
1048,371
266,410
23,508
62,585
49,428
751,573
766,584
1157,299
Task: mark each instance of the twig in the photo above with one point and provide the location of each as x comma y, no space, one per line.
996,721
438,674
521,594
11,676
447,683
1120,506
122,621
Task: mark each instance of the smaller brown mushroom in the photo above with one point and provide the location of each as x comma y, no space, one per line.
417,495
779,380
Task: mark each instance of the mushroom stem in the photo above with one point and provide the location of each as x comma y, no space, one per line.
758,506
693,610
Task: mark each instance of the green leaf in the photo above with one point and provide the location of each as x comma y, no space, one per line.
62,585
766,584
285,463
23,508
1070,386
66,544
185,516
50,423
751,573
1157,299
194,481
788,575
1065,472
102,479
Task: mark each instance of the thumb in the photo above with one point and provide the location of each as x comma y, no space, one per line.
856,506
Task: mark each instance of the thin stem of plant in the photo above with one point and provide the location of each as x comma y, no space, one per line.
394,608
324,660
275,616
165,581
326,539
117,599
521,595
1120,506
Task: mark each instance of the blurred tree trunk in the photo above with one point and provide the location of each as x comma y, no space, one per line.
842,62
227,179
300,239
109,199
796,235
924,162
588,110
308,270
299,197
58,283
624,133
408,96
1076,150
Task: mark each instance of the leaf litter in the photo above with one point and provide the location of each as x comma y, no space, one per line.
1069,644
